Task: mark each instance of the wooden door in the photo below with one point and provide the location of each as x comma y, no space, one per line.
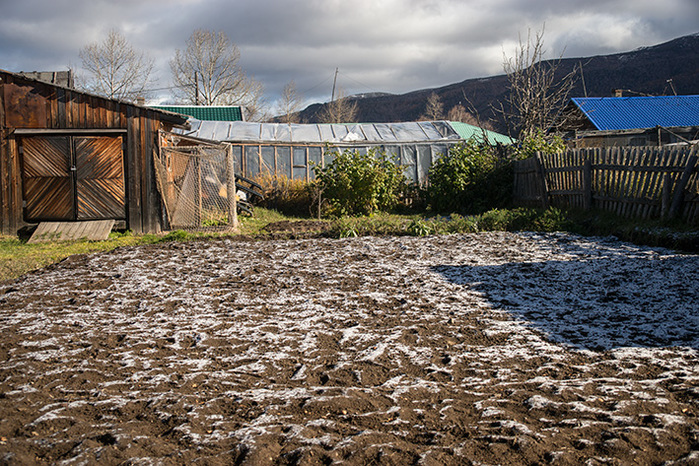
46,178
73,178
99,166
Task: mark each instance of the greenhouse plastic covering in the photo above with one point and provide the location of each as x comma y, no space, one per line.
379,133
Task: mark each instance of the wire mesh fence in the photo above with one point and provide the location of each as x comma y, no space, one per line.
197,184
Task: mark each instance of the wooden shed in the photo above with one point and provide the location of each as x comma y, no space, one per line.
67,155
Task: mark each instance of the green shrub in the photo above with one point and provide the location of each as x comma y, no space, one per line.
471,178
420,227
539,142
360,184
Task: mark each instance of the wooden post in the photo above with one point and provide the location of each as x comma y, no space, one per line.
665,196
587,184
543,184
678,196
230,188
320,202
197,192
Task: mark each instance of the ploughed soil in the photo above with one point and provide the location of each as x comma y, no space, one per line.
484,349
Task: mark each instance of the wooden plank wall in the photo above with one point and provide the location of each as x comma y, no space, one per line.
640,182
69,109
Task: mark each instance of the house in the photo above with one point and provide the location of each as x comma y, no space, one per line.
67,155
631,121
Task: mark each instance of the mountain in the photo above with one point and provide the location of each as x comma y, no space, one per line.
652,70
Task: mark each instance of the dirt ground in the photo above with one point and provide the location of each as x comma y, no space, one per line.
483,349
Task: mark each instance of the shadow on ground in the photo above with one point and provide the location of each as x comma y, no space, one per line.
596,303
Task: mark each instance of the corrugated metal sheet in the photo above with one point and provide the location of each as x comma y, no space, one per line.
209,113
619,113
467,131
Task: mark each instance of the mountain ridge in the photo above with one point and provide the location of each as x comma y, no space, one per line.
662,69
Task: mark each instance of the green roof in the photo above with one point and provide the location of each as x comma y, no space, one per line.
467,131
200,112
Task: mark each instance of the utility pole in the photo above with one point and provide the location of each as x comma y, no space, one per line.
583,78
332,97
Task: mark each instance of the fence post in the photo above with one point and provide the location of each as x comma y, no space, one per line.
197,191
230,188
678,196
665,196
587,184
544,185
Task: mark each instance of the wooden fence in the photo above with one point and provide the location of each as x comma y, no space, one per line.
644,182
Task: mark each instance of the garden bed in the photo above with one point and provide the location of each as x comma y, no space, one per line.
483,348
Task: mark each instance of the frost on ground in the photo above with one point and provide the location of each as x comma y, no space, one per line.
471,349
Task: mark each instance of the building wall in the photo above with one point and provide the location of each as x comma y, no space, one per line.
634,138
29,106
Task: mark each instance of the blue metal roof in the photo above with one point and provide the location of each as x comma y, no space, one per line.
617,113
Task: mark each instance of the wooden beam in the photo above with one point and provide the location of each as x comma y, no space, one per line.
72,131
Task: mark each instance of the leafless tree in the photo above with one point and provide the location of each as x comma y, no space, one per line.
208,72
537,91
341,110
289,104
434,108
115,69
459,113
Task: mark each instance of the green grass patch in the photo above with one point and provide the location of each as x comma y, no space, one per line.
18,257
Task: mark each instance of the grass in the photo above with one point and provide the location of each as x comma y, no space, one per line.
17,257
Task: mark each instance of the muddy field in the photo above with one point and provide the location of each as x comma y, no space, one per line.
485,349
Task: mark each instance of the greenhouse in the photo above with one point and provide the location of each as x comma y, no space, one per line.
292,150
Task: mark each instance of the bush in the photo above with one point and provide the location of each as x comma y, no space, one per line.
539,142
471,178
360,184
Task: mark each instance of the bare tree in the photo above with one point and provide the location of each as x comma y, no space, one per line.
434,109
341,110
115,69
537,91
289,104
208,72
459,113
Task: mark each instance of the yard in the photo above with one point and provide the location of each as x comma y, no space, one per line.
490,348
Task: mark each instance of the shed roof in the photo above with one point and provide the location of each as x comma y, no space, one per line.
380,133
208,113
620,113
171,117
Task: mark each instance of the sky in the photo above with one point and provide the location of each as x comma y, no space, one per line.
393,46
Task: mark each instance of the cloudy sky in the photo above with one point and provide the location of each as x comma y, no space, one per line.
392,46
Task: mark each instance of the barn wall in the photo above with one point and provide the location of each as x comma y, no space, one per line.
27,104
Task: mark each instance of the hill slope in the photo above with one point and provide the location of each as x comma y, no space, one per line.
643,71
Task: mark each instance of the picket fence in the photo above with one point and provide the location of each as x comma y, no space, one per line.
642,182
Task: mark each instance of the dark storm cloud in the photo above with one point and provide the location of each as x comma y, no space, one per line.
378,45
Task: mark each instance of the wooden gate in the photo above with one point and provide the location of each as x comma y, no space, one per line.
73,178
